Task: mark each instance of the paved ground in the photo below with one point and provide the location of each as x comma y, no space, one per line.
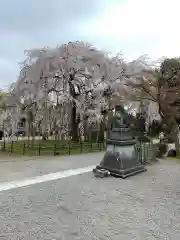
145,206
26,167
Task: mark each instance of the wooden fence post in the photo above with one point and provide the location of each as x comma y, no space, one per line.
91,147
69,148
39,149
24,147
100,147
81,147
55,149
12,143
4,144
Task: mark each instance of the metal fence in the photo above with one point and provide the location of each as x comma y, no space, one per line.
144,151
52,147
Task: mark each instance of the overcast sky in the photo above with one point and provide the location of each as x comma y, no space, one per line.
132,26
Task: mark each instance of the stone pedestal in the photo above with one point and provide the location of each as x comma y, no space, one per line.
120,158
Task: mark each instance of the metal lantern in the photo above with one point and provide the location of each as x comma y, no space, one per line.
120,158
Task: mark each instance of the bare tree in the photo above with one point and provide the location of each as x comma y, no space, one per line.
159,88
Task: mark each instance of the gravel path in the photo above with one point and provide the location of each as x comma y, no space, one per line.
14,169
145,206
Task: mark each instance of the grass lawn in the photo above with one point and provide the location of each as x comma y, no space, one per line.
52,147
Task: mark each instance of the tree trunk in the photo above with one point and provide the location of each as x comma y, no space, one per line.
33,133
109,123
74,125
175,135
85,130
44,136
29,130
101,130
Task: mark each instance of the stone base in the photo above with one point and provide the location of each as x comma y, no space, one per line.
120,167
123,173
101,173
